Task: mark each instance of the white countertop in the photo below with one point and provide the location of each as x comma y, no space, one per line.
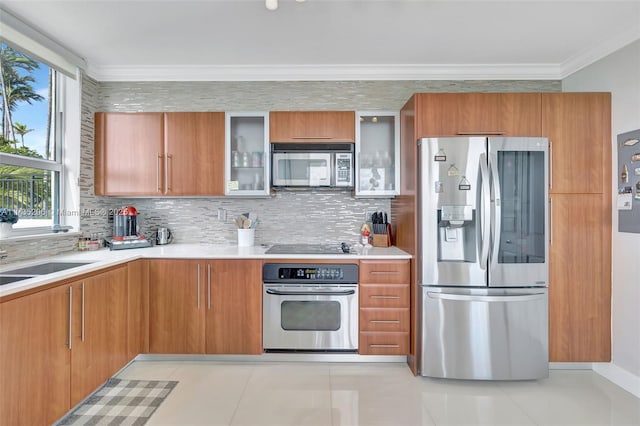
105,258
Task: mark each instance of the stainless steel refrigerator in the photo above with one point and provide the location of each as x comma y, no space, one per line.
483,257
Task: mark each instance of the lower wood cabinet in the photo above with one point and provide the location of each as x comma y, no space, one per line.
99,344
579,282
138,308
58,345
234,307
384,307
206,306
35,359
176,307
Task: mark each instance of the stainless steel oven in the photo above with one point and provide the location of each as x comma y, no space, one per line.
310,307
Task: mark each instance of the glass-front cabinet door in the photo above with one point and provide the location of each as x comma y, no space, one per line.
377,153
247,154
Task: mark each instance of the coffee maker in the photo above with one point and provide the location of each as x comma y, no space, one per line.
125,224
125,230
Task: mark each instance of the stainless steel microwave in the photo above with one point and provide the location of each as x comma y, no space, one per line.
312,165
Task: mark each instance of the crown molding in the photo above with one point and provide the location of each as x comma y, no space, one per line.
325,72
365,72
608,46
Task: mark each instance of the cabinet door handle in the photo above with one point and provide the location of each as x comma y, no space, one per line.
550,164
385,321
384,272
209,285
70,315
497,132
168,178
82,328
384,346
158,165
384,297
198,288
550,221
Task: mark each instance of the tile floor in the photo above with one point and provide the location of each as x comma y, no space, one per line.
331,394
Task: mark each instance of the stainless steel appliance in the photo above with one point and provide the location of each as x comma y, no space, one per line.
310,307
483,257
163,236
312,165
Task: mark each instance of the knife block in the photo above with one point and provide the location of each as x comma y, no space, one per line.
382,240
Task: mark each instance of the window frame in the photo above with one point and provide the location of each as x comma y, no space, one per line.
57,165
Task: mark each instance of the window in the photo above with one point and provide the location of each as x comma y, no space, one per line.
30,140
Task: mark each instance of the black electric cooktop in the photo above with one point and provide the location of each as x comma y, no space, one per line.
308,249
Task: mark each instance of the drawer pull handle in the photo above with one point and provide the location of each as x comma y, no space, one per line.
385,321
312,137
384,272
384,297
384,346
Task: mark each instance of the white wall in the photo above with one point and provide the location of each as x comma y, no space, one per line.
619,73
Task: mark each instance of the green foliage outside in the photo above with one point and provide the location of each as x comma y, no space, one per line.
16,88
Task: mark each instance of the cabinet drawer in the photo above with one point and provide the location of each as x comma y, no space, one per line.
384,271
376,343
373,319
384,296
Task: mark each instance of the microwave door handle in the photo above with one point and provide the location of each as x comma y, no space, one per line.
310,293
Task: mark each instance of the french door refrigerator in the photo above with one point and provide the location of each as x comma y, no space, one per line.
483,257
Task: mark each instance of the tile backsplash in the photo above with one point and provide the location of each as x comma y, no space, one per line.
293,217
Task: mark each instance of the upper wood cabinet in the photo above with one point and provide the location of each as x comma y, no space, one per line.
578,126
129,153
312,126
460,114
35,357
175,153
194,153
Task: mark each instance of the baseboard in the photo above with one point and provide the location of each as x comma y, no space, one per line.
570,366
619,376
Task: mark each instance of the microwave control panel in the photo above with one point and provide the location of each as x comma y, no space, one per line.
344,169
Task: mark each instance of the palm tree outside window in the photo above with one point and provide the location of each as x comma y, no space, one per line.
30,160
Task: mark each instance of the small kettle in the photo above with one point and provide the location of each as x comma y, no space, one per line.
163,236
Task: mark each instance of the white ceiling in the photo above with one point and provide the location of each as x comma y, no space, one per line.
333,39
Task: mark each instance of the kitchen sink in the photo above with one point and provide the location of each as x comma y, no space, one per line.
8,279
44,268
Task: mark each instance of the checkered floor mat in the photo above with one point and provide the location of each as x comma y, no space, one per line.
120,402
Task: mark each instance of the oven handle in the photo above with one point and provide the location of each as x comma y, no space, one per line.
310,293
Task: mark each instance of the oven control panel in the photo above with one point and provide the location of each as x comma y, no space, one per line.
321,273
292,273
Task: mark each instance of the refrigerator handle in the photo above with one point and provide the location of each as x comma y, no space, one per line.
495,207
476,298
484,208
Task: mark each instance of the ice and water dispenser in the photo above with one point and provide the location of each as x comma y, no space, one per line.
456,233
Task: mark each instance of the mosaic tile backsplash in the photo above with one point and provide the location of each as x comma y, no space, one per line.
287,217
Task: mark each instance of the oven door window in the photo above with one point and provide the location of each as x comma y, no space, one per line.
310,315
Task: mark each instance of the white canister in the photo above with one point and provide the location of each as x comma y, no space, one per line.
246,237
